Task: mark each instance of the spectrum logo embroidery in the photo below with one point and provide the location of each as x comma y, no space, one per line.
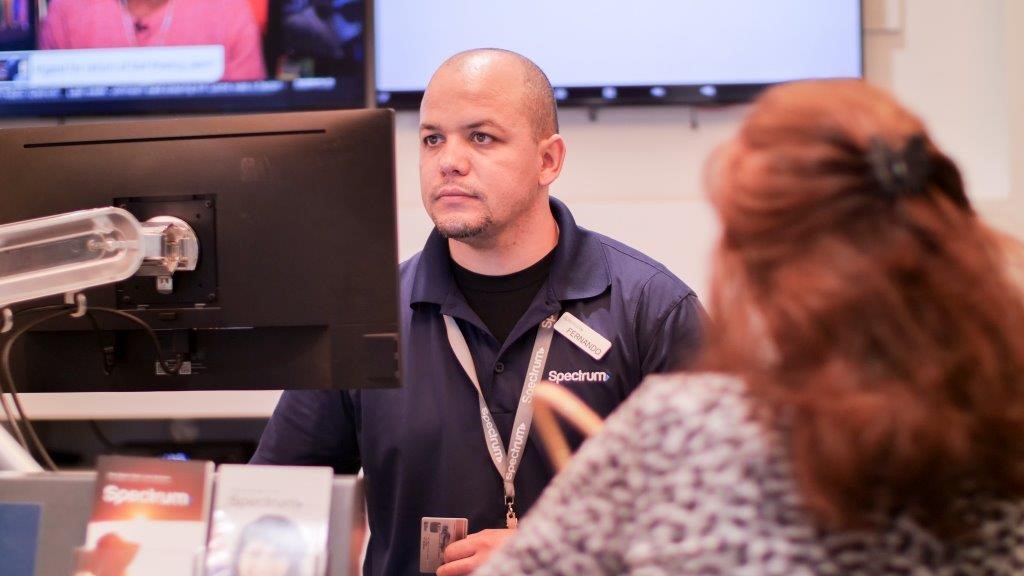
579,376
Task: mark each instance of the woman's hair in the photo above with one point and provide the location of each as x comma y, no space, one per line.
867,308
278,532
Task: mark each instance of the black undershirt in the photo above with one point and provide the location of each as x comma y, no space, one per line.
501,300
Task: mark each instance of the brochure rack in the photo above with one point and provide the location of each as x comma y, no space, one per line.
66,500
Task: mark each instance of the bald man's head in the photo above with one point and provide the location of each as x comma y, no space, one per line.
538,96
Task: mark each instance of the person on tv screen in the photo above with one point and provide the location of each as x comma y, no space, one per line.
859,405
507,290
149,23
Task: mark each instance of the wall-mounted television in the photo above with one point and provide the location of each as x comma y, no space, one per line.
103,57
605,52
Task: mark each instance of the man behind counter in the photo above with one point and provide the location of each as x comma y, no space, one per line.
504,262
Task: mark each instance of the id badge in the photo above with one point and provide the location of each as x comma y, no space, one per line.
435,535
583,336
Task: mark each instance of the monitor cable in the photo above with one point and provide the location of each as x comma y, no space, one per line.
9,412
8,386
21,425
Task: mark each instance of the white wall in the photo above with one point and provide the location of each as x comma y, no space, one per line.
635,173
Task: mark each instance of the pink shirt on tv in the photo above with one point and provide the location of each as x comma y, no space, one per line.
106,24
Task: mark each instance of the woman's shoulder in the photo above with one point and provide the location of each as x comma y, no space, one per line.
687,394
699,385
687,412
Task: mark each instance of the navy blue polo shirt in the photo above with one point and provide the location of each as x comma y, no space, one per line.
421,446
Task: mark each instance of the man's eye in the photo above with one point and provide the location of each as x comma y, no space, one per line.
431,139
481,138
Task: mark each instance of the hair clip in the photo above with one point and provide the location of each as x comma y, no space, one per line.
899,173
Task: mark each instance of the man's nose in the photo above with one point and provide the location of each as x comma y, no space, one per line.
454,160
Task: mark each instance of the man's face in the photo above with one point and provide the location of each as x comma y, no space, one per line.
480,160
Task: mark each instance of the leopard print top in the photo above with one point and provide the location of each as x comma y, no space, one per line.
683,480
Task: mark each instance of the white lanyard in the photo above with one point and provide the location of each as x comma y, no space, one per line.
507,466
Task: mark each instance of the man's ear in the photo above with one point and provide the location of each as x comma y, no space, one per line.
552,155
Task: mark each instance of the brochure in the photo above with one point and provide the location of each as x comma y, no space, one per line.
149,518
270,520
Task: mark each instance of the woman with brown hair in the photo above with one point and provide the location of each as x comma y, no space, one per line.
860,406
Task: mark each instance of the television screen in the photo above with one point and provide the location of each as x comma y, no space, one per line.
296,283
96,57
617,52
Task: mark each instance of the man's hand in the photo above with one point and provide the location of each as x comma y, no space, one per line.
466,555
